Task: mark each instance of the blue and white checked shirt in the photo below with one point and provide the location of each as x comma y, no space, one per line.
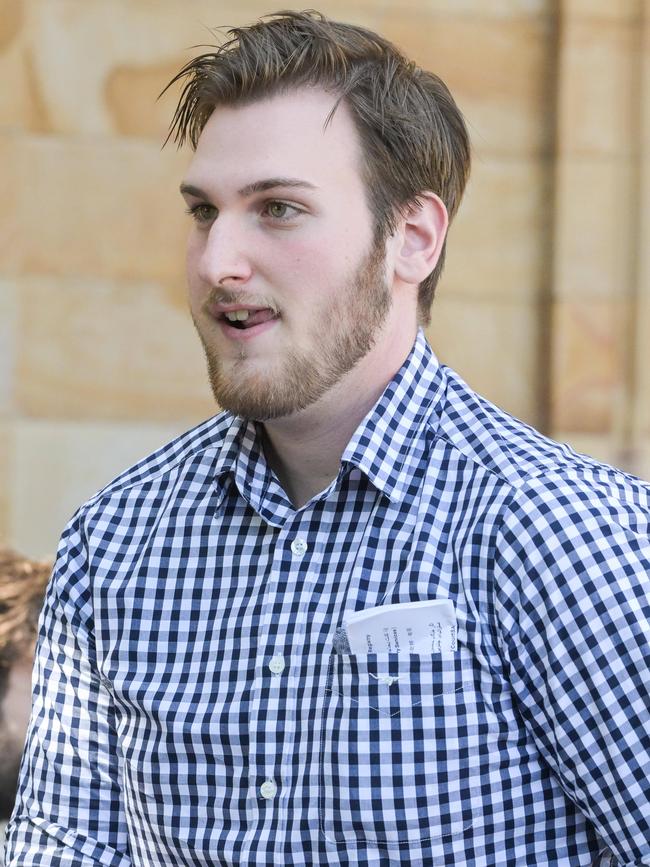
190,710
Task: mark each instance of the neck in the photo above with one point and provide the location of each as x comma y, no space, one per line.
305,449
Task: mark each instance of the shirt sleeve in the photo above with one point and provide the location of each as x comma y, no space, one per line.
572,573
68,809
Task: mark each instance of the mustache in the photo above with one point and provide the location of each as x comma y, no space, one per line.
226,296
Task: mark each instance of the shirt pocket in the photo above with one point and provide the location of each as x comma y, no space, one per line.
398,753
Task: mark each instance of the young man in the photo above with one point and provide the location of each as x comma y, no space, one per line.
204,694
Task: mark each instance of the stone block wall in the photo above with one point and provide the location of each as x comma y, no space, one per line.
544,305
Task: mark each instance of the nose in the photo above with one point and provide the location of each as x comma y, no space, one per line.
223,256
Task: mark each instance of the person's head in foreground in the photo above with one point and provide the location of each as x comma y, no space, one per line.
364,616
326,168
22,586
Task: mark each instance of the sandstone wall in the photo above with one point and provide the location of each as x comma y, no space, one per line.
544,305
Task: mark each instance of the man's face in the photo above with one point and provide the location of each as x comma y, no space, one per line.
287,289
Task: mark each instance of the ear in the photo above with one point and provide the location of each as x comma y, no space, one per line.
419,238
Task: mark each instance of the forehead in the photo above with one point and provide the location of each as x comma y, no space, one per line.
286,135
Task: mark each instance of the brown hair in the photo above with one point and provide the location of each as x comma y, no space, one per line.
412,134
22,589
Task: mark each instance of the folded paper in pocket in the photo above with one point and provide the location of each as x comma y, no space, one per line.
422,627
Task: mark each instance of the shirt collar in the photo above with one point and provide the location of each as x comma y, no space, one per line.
387,447
241,459
390,443
230,446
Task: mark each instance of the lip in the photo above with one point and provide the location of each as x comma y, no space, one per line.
218,311
244,334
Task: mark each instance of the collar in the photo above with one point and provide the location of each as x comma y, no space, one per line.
390,443
241,461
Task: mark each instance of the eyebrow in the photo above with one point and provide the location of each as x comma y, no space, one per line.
255,187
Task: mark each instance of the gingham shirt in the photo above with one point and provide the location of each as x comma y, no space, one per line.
191,707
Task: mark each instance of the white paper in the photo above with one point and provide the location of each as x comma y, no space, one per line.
409,627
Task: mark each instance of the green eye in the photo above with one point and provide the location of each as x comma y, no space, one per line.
278,209
281,212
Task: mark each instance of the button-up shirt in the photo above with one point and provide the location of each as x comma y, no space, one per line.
192,705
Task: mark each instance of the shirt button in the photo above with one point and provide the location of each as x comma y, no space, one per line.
268,789
277,664
299,547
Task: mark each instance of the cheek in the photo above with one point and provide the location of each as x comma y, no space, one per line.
196,287
192,257
309,266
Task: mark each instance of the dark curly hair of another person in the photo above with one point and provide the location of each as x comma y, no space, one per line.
22,588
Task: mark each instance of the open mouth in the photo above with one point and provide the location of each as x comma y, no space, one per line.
245,319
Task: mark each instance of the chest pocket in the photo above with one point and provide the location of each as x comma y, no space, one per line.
399,756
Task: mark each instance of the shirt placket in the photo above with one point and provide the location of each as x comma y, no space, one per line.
275,693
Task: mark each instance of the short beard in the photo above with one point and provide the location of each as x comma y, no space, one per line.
343,335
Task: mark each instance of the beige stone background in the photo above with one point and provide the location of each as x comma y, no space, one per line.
544,305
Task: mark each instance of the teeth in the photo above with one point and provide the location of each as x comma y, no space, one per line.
237,315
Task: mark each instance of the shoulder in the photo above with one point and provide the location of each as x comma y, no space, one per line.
497,442
119,518
182,465
198,443
552,500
